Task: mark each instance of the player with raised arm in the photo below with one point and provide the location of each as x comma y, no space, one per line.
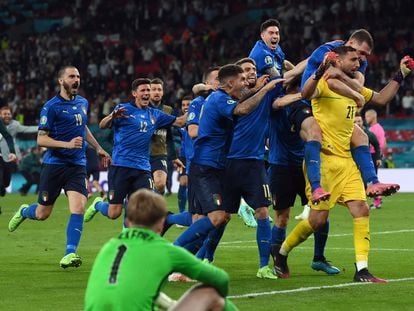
245,174
310,131
210,149
286,150
335,114
134,124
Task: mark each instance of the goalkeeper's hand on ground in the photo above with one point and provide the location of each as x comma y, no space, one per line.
165,302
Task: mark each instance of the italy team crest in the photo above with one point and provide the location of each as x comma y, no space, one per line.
45,196
111,194
217,199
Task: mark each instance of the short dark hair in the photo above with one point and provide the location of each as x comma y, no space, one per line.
138,82
146,208
157,81
362,35
228,71
5,107
269,23
208,71
62,70
358,114
245,60
343,49
188,97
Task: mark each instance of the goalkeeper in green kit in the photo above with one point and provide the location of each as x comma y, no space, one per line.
130,271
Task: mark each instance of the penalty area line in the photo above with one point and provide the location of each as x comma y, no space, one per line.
311,288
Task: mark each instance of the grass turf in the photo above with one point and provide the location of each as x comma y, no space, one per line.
30,276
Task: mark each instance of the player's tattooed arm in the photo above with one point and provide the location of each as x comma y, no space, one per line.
286,100
246,106
259,84
44,140
287,65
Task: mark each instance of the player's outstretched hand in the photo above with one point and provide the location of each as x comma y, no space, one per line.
329,59
262,81
105,157
271,84
178,165
119,113
406,65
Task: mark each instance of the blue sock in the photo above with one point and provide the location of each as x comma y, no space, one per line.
183,219
213,240
363,159
263,237
195,246
102,207
199,229
182,198
321,236
73,232
313,163
278,235
125,211
201,254
30,211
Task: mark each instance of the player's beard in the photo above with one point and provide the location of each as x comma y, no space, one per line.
156,101
71,90
244,91
350,74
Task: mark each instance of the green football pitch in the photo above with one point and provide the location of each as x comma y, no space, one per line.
30,276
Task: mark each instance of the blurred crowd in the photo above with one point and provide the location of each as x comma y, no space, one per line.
113,42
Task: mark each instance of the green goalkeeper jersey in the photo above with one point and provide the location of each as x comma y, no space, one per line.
131,270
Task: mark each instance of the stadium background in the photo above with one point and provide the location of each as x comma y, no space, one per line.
113,42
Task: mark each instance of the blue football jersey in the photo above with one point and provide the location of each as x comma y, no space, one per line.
193,114
132,135
183,134
285,146
186,149
266,58
250,131
193,117
65,120
215,130
317,57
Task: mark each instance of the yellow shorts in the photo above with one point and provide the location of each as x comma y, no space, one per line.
341,177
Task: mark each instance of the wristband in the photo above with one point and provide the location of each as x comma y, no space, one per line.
319,72
398,77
